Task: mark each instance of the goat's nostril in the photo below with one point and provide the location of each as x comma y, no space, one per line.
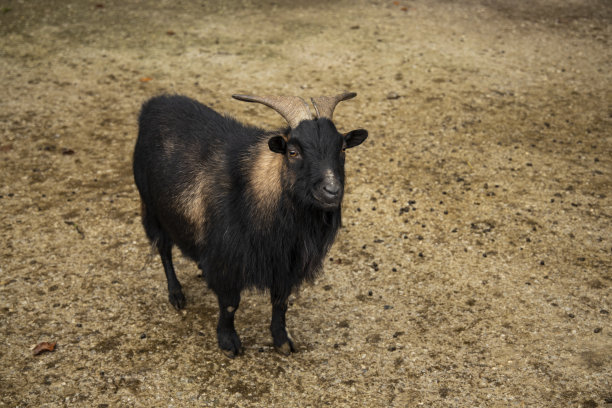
332,188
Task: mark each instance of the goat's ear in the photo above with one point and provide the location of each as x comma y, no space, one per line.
355,137
277,144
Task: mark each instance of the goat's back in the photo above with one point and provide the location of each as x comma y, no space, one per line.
181,162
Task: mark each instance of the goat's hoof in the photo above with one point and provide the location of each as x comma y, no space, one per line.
232,353
177,299
230,343
286,348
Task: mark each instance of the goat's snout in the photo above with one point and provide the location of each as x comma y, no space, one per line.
331,188
330,191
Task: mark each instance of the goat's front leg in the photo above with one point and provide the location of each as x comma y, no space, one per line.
228,339
282,342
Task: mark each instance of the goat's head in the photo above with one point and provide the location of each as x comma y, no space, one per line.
313,149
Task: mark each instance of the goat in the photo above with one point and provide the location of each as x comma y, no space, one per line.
253,208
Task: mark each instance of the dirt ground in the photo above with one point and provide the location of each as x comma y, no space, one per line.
474,265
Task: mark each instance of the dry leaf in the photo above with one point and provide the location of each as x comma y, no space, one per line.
145,79
170,32
42,347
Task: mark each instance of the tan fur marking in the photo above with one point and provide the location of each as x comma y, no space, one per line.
201,189
230,309
191,201
265,180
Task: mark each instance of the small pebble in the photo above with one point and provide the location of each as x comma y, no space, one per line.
393,95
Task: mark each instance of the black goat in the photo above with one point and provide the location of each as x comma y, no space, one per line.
254,208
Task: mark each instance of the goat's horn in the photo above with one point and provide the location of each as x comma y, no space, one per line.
325,105
293,108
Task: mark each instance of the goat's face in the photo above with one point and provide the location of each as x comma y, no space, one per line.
314,153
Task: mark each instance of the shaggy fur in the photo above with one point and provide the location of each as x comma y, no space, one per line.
247,215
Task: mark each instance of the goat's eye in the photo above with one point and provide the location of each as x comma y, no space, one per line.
293,153
343,149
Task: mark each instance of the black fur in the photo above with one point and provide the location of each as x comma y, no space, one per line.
237,247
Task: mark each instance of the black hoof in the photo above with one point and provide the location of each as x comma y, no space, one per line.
286,348
229,343
177,299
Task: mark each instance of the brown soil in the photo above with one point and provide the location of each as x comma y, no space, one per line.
474,267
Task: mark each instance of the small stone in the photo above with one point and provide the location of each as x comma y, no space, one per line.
393,95
597,330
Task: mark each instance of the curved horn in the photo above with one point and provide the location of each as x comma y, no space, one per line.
293,108
325,105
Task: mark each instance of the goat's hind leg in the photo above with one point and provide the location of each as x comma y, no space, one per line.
164,245
175,290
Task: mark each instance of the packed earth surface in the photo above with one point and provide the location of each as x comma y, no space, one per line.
474,263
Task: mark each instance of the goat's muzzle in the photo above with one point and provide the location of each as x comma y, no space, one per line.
329,192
